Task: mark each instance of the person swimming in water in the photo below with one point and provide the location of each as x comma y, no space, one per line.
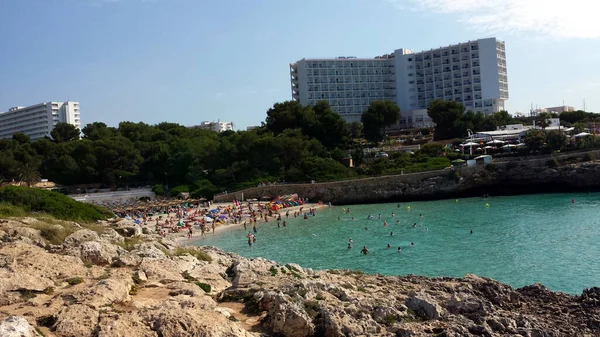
364,251
389,246
397,221
339,218
420,216
393,215
385,224
349,245
415,224
352,218
399,249
391,233
366,228
412,243
471,231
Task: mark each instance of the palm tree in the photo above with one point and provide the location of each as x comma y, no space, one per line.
28,175
544,120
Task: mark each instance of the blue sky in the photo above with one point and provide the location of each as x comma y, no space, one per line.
187,61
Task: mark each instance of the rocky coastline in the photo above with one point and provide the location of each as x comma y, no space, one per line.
110,279
576,172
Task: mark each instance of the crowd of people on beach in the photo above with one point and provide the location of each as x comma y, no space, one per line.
186,216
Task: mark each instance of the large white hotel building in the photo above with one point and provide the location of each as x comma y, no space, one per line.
37,121
472,73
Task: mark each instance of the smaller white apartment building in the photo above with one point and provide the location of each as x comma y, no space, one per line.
37,121
216,126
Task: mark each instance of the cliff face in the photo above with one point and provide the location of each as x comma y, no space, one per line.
99,283
568,173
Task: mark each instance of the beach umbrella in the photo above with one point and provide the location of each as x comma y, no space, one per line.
222,216
509,146
583,134
495,141
214,211
470,144
458,161
490,147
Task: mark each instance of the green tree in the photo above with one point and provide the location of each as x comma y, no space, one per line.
21,138
503,118
158,189
28,175
535,140
573,117
379,115
203,189
556,140
356,129
579,127
446,115
432,149
64,132
97,130
543,120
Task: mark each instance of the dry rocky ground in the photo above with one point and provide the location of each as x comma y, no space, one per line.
117,281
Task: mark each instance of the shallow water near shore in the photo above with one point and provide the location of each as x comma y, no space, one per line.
517,240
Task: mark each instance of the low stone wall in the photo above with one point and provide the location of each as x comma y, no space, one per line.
541,174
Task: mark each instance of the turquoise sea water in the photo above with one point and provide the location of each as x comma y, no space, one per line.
517,240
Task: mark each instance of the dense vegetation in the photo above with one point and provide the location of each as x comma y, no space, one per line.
452,120
16,200
294,144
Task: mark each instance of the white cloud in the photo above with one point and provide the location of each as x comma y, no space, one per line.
554,18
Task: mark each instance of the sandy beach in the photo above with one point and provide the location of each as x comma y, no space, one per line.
182,237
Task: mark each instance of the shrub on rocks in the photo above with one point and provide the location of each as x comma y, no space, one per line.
74,281
58,205
204,286
197,253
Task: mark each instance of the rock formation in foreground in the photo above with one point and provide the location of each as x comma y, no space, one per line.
98,283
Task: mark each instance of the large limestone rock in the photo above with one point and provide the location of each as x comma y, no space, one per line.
33,269
79,237
98,252
285,317
16,326
174,319
128,259
161,270
76,320
148,250
112,236
424,305
128,230
123,325
106,292
247,272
